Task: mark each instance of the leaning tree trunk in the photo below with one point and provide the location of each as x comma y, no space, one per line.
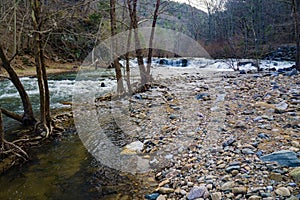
113,22
28,117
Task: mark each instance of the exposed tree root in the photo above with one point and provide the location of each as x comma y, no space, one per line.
42,129
10,147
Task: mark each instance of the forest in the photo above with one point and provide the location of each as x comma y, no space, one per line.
141,99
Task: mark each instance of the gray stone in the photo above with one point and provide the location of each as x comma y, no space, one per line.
284,158
229,142
247,151
198,192
282,106
231,168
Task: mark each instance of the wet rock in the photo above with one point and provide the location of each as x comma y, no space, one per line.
296,174
152,196
203,96
263,136
269,188
173,117
138,96
265,194
229,142
184,62
283,191
198,192
102,84
284,158
292,184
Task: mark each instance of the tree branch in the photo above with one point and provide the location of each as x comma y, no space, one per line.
12,115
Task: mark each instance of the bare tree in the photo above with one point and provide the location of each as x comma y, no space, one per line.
1,132
120,87
296,7
45,118
28,117
150,52
132,7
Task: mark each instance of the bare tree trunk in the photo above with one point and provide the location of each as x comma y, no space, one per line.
28,117
120,87
295,6
15,27
45,119
1,132
149,60
139,54
47,92
127,61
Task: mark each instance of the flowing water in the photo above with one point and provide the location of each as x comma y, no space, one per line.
63,169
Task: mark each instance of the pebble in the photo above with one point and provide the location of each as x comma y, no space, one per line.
216,196
241,146
228,186
247,151
254,197
295,173
239,190
164,190
295,144
231,168
161,197
163,183
275,176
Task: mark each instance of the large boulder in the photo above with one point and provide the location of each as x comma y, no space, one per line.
284,158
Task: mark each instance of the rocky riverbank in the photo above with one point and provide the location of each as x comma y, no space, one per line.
219,135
